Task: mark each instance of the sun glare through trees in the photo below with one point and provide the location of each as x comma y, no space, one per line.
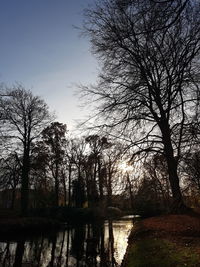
137,153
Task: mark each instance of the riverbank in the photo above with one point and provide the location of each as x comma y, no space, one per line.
169,240
26,225
40,220
12,224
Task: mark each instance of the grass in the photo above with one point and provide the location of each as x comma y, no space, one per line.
161,253
165,241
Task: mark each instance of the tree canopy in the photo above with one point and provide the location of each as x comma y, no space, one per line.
24,116
148,87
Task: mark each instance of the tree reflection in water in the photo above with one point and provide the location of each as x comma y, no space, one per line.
91,245
53,248
77,244
19,253
112,260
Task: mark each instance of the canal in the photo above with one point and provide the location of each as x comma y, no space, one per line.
90,245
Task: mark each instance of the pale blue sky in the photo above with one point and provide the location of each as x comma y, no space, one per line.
41,49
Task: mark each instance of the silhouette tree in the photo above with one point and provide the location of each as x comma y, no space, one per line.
155,170
112,157
10,174
40,176
78,192
54,138
24,116
97,145
148,87
77,159
70,165
191,170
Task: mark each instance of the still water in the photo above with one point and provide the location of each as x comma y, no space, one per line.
90,245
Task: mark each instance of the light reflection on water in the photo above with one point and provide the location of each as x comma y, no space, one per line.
100,245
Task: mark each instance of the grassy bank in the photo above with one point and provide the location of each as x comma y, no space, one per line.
165,241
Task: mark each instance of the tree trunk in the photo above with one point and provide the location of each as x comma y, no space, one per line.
56,187
65,192
100,180
109,187
56,192
130,191
178,205
13,198
25,183
69,187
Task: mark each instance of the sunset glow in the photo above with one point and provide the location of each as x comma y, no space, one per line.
125,166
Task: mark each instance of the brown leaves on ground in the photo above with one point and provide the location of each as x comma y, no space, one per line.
175,239
174,224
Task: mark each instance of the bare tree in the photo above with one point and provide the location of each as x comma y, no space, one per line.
78,172
155,169
113,176
191,171
149,85
54,138
40,177
97,145
24,117
10,174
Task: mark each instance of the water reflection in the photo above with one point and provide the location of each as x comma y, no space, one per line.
91,245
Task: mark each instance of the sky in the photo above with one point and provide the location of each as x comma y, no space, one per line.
42,49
